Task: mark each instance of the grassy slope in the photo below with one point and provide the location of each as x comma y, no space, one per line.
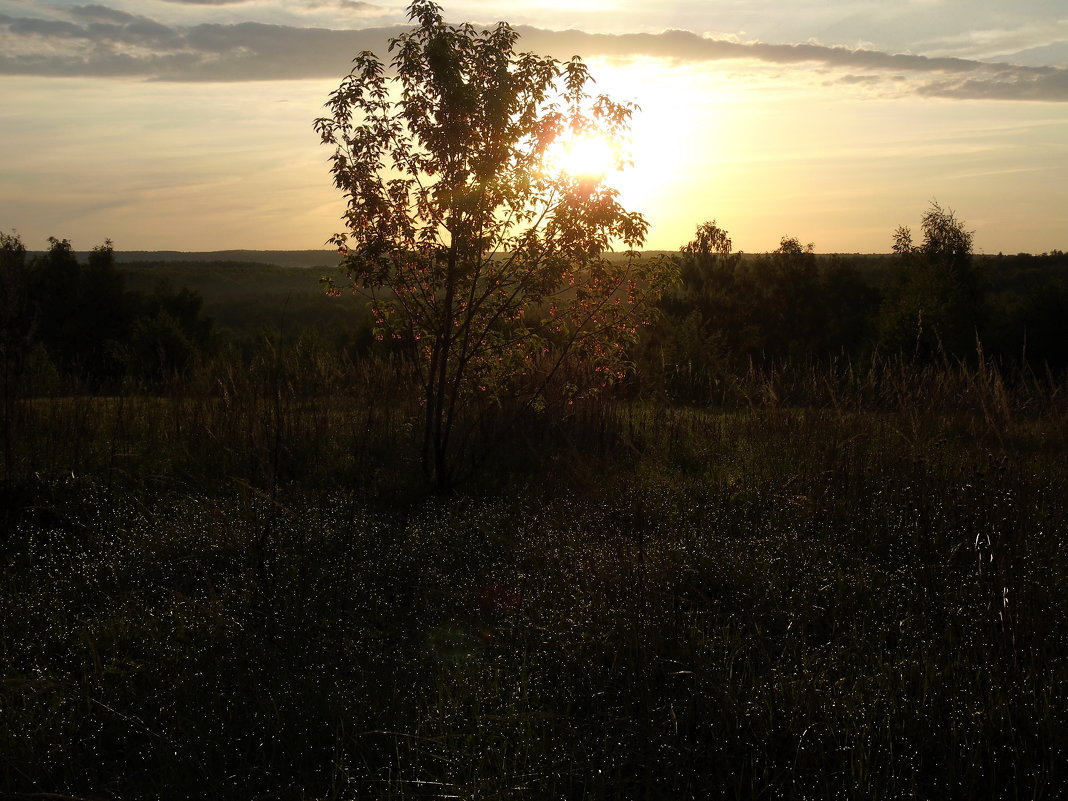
243,596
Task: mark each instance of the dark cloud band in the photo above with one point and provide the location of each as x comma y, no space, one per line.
107,43
206,2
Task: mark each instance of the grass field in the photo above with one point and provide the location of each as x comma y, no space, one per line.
837,584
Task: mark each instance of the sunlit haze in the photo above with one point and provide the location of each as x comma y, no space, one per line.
187,126
589,154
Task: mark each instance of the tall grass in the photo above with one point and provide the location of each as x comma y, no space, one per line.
848,584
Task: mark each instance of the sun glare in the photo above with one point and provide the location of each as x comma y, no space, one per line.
586,155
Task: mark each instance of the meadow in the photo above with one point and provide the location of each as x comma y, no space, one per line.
845,580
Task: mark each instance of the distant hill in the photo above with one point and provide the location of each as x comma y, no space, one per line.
246,291
282,258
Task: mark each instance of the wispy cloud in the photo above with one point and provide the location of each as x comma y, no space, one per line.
206,2
94,40
1013,84
97,13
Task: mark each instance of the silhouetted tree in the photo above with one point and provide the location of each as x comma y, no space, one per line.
55,287
702,321
933,304
16,329
105,312
787,304
484,263
81,310
16,314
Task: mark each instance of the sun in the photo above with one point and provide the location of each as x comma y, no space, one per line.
586,155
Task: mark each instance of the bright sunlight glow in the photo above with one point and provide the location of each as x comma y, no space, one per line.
585,155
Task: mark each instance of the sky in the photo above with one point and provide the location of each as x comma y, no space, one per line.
187,124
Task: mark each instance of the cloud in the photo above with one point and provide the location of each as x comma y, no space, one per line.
46,28
1051,87
1052,53
858,79
345,5
96,13
689,47
104,42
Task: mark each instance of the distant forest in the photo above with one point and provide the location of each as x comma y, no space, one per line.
104,316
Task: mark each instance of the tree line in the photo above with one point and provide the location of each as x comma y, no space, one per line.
61,318
929,300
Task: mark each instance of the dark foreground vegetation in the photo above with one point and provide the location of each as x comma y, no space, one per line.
810,572
851,585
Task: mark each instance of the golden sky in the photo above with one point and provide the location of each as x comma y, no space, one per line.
187,126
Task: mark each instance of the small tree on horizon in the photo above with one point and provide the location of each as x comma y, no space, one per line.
487,266
933,305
